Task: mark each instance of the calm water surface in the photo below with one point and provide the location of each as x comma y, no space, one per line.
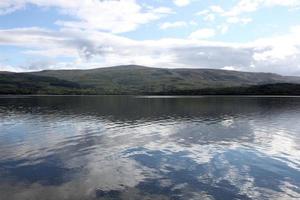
93,147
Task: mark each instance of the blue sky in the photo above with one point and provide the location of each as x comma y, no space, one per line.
246,35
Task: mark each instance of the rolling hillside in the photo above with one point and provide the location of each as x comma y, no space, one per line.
22,83
133,79
137,79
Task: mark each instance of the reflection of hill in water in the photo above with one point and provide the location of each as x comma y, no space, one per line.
139,148
201,120
126,108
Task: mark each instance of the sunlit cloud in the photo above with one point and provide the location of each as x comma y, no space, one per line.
114,32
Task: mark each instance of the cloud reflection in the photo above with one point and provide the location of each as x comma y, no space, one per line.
155,149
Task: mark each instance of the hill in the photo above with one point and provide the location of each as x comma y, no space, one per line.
139,79
134,79
22,83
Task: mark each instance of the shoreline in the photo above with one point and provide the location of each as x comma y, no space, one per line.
141,96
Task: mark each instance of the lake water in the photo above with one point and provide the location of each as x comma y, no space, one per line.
113,147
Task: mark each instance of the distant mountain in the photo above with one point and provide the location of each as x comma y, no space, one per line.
23,83
134,79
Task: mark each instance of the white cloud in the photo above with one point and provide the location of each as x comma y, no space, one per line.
223,28
216,9
9,6
202,33
243,6
182,2
279,48
167,25
238,20
91,49
247,6
207,15
10,68
163,10
229,68
193,23
234,15
203,12
108,15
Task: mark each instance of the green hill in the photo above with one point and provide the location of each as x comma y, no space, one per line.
133,79
139,79
22,83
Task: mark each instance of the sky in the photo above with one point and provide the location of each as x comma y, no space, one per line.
243,35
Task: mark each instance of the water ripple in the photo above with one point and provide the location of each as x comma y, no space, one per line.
149,148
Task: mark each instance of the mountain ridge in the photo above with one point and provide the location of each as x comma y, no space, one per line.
135,79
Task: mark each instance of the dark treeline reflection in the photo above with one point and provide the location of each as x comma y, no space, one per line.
129,108
126,147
